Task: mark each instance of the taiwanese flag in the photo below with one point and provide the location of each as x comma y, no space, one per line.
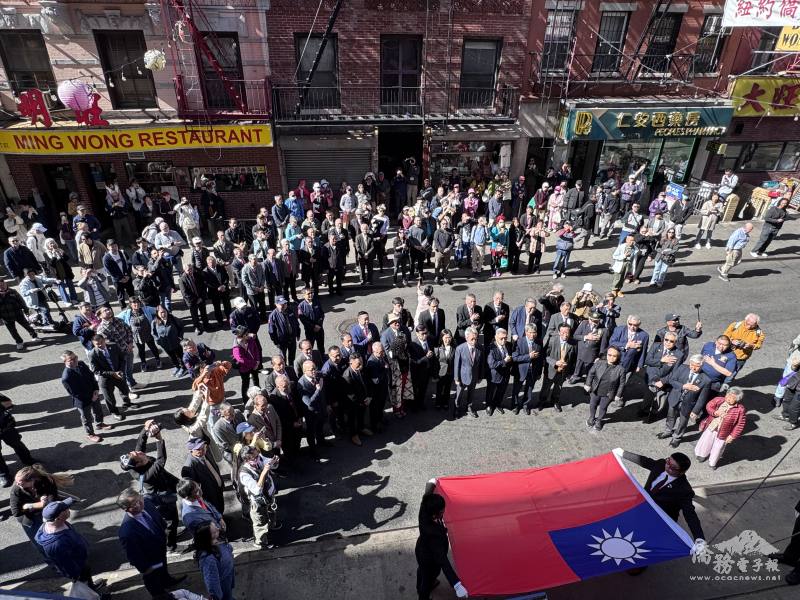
535,529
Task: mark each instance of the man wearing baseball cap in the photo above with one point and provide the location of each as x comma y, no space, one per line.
64,547
673,325
284,328
203,469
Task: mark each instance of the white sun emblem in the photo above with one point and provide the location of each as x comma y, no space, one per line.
617,548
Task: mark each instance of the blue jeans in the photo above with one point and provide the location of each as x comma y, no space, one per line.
127,368
166,300
659,272
561,263
67,291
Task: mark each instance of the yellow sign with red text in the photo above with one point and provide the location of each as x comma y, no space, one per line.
766,97
147,139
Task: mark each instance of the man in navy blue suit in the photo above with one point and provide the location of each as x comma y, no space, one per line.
143,536
364,333
522,316
687,387
84,392
501,364
529,360
632,342
467,372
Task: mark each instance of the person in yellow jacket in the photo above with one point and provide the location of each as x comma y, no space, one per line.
746,336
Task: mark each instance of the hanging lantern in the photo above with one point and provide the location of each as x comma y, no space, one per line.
155,60
75,94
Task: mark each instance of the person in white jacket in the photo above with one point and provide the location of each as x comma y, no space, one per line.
188,218
32,289
35,243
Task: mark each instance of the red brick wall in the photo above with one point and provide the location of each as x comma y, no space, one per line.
237,204
768,129
359,29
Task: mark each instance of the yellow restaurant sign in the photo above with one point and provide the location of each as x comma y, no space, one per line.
788,39
766,96
146,139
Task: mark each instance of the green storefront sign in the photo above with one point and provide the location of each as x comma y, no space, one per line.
644,123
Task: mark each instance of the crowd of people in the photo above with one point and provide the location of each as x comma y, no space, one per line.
263,283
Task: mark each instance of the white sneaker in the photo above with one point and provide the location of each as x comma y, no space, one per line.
697,246
754,254
133,396
708,246
555,276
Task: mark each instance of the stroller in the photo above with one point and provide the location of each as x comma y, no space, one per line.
60,325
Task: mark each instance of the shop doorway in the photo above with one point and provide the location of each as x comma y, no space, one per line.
59,182
538,159
395,146
97,176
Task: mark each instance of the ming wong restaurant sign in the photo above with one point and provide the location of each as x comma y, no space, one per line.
623,124
761,13
148,139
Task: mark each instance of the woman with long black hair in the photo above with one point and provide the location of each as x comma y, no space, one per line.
432,547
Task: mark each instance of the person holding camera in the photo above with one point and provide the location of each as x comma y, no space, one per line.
154,480
33,289
255,478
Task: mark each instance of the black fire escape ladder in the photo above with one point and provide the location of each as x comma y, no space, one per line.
634,66
303,91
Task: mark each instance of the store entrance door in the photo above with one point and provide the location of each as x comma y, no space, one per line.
59,180
97,175
394,146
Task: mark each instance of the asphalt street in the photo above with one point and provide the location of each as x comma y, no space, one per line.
377,487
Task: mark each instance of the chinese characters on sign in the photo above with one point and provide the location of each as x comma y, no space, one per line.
33,106
659,120
766,96
761,13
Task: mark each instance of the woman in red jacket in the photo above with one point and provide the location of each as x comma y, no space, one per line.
725,422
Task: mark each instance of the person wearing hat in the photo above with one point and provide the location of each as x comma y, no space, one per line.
198,253
258,485
64,548
143,537
683,333
590,337
422,365
35,241
585,301
394,328
188,218
539,201
151,476
630,191
203,469
84,216
284,328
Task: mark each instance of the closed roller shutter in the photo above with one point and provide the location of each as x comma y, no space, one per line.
335,165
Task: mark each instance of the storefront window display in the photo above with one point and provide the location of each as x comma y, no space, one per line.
473,160
153,175
231,179
626,156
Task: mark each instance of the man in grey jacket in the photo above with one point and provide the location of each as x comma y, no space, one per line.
604,383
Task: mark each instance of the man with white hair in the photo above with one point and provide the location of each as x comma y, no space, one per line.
746,337
632,342
467,372
734,248
687,385
171,242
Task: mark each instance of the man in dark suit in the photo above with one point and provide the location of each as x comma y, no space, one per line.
528,359
468,314
668,487
365,254
445,356
283,328
564,316
143,537
522,316
467,372
422,366
661,360
334,257
633,342
201,468
495,316
379,374
216,279
315,406
433,320
501,363
118,267
685,398
308,352
193,289
357,398
84,392
105,361
274,270
791,556
559,355
279,367
604,383
589,337
312,316
364,333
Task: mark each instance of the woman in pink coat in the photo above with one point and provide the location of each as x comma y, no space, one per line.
247,355
725,422
554,205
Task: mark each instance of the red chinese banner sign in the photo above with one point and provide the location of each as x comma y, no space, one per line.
761,13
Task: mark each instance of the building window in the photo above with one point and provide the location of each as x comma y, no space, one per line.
130,85
225,48
479,64
400,71
324,89
662,43
769,156
729,158
26,61
231,179
610,42
558,38
709,46
763,56
151,175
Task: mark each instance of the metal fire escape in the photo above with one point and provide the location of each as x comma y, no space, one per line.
192,39
305,85
645,40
